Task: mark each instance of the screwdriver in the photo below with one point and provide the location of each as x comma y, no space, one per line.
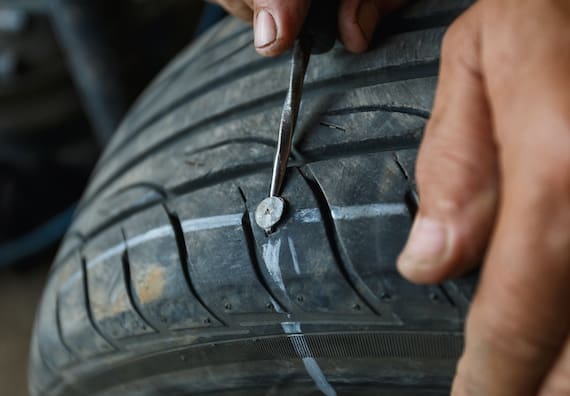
317,36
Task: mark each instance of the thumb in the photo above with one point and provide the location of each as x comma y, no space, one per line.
457,168
358,20
277,23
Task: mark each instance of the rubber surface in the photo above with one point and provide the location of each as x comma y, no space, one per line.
165,285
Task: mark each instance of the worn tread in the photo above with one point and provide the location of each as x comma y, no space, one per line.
166,271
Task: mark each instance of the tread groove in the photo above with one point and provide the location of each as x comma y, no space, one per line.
238,73
226,56
148,185
397,26
413,24
219,177
253,139
59,330
88,310
349,274
125,262
387,108
368,146
184,261
313,156
411,198
78,235
412,202
207,49
332,126
52,370
446,295
167,80
349,81
252,252
401,166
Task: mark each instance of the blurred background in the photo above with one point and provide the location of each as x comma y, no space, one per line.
69,71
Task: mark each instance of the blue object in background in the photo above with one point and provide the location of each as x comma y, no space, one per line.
210,15
37,240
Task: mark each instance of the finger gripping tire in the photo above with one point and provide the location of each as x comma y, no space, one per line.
165,285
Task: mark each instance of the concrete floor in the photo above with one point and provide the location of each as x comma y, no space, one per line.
20,291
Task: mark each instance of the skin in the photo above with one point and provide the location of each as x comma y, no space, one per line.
494,178
357,20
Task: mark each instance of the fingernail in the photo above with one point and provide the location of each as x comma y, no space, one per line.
368,18
265,29
427,245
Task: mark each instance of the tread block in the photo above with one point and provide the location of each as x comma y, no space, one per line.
72,242
374,234
410,55
54,351
129,199
157,274
221,59
109,288
387,111
219,261
297,259
40,376
208,154
210,42
76,324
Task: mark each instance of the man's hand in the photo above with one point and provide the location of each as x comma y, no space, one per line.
277,23
494,180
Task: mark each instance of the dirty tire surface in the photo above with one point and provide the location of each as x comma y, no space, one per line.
165,285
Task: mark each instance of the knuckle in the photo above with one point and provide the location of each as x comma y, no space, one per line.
445,165
547,180
455,36
224,4
557,386
504,332
558,381
234,6
460,44
554,188
555,176
452,38
468,383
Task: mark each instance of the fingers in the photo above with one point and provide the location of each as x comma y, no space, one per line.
358,21
277,23
457,171
239,8
519,320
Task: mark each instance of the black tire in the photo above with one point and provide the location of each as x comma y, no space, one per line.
165,285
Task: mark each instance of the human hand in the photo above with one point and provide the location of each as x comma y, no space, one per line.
277,23
494,180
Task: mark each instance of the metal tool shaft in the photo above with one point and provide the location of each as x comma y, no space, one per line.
299,63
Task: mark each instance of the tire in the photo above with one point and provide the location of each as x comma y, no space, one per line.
165,285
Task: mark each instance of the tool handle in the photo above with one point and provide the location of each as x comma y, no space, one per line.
320,29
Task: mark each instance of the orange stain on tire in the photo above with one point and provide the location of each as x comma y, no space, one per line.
152,284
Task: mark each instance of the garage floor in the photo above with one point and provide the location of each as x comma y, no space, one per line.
20,291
